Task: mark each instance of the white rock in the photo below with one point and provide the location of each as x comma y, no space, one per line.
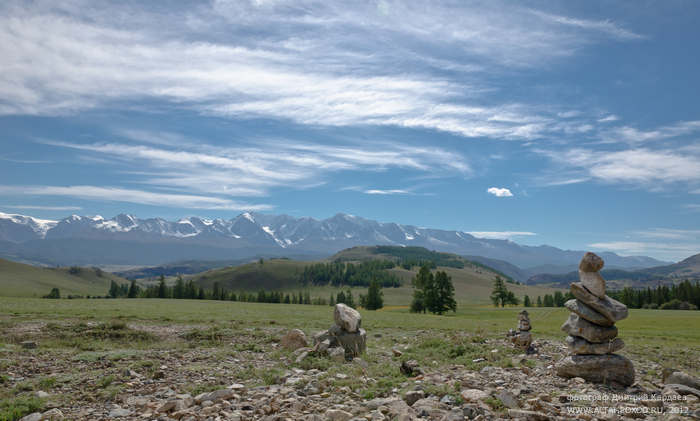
347,318
473,395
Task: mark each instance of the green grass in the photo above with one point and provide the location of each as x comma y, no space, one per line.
12,409
20,280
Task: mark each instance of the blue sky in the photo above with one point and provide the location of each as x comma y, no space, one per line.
574,124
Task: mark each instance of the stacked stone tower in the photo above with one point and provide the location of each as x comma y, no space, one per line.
592,338
522,337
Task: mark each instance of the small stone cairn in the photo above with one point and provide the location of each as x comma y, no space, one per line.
345,333
592,338
522,337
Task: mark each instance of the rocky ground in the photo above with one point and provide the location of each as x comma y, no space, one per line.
94,371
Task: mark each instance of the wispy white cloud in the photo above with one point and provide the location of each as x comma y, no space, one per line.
386,191
252,170
604,26
664,250
285,60
640,166
500,235
633,135
664,243
115,194
609,118
39,207
499,191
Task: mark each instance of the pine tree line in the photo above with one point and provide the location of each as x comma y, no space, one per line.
681,296
189,290
350,274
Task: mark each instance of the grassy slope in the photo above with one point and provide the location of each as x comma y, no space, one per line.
473,284
272,274
20,280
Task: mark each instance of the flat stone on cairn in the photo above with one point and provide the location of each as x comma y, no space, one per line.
346,332
592,333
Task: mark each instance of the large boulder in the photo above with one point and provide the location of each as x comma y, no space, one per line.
294,339
578,326
347,318
607,369
354,343
611,309
583,347
585,311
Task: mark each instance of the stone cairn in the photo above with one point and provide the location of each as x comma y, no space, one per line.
345,333
522,337
592,338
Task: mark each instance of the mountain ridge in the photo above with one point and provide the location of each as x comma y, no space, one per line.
126,239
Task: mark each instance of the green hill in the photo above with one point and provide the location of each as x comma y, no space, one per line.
20,280
272,274
473,281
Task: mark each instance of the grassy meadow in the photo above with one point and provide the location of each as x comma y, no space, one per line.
664,333
86,347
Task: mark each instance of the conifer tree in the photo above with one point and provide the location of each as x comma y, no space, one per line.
374,299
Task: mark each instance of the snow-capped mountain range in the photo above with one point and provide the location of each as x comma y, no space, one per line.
125,239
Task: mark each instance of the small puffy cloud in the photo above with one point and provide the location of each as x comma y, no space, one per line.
499,191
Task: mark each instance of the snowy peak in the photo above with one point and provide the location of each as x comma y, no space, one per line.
24,227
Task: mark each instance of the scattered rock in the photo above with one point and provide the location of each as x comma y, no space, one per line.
681,389
678,377
413,396
41,394
508,399
337,354
217,395
338,415
410,368
528,415
119,412
294,339
53,414
473,395
28,345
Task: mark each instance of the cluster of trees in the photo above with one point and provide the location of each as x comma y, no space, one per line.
409,257
433,293
550,300
500,295
682,296
350,274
